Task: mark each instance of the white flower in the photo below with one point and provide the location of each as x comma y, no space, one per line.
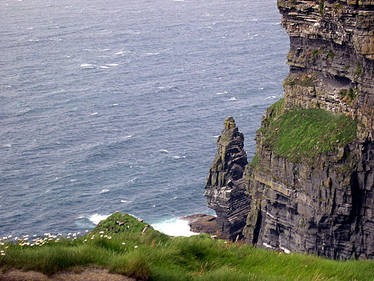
123,243
135,246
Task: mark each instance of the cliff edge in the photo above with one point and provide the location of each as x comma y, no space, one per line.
309,188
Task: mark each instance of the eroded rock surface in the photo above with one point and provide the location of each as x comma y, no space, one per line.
225,189
322,204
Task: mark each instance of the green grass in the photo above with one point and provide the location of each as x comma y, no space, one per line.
304,80
254,161
154,256
304,134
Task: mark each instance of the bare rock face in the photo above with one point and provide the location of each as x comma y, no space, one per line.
201,223
225,189
331,57
322,203
322,206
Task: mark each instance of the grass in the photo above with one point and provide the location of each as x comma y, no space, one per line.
304,80
154,256
254,161
304,134
322,7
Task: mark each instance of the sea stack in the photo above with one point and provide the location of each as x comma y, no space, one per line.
225,189
310,186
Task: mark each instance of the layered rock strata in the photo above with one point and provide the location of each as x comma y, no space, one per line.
331,57
225,188
321,200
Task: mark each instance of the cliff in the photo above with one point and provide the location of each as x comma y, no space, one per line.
225,188
309,187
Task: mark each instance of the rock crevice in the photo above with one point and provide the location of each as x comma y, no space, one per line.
318,201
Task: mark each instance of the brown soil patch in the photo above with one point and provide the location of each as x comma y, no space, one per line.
88,274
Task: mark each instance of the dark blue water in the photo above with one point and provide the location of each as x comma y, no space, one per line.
115,105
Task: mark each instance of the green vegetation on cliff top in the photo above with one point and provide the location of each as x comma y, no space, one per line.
304,134
119,245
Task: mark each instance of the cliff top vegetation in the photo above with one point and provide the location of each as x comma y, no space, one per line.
303,134
121,245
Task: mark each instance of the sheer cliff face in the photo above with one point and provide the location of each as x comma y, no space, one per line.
305,193
225,189
332,47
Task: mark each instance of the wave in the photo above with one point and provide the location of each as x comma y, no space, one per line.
164,151
105,190
232,99
96,218
132,180
152,54
87,65
178,157
270,97
174,227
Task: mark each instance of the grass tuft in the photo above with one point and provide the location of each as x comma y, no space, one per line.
304,134
151,256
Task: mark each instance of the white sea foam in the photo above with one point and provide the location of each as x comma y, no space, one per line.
96,218
119,53
87,65
115,104
164,151
94,113
152,54
7,145
270,97
179,157
174,227
132,180
104,67
112,64
105,190
232,99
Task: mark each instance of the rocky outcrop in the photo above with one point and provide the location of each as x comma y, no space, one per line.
306,194
331,57
225,189
201,223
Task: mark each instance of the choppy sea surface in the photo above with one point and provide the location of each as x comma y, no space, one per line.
116,105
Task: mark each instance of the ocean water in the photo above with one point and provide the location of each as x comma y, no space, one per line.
116,105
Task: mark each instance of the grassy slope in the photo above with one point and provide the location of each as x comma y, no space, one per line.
304,134
154,256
